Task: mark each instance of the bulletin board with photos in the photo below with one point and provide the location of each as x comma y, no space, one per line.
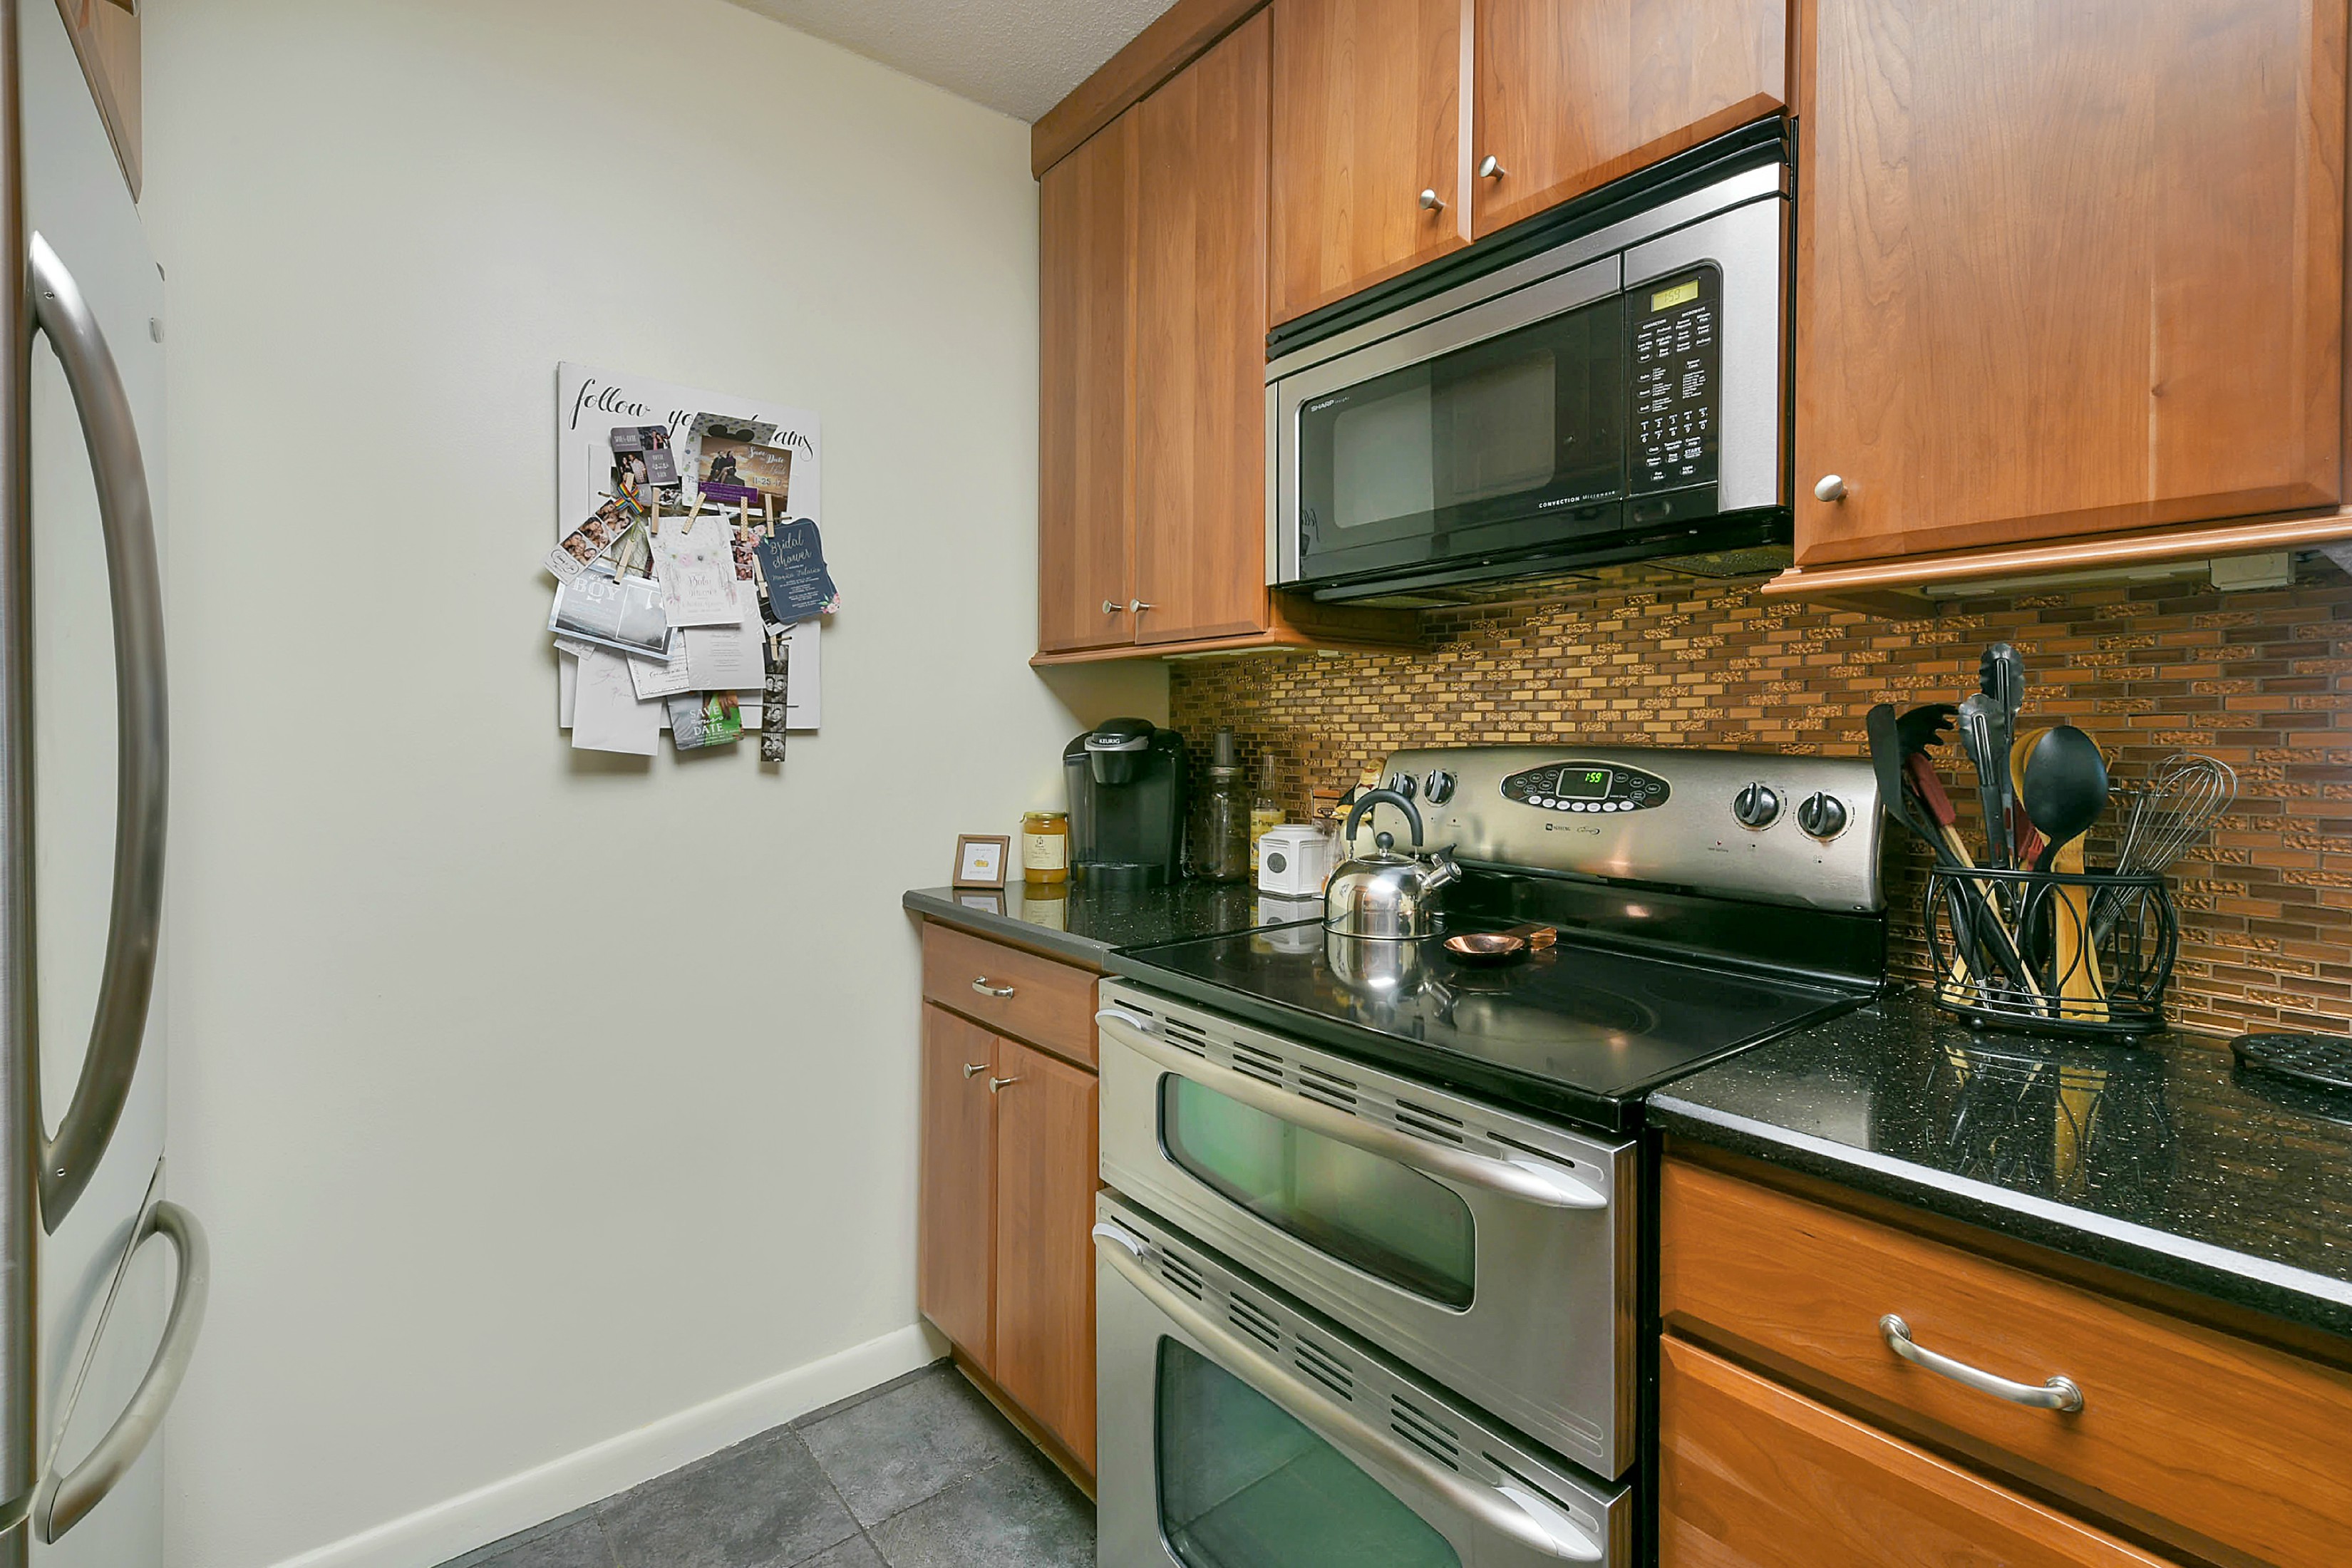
691,584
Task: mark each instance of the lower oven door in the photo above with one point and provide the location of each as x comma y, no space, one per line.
1490,1251
1237,1431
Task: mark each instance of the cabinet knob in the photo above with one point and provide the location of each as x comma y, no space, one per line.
1832,487
973,1069
996,1085
1492,169
1112,607
1429,202
1138,606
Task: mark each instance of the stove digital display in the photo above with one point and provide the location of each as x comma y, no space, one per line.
1586,786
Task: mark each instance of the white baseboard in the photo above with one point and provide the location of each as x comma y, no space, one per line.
433,1535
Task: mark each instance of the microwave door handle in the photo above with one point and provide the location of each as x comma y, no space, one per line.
1525,1180
1511,1510
127,978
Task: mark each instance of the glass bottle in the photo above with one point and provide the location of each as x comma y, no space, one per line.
1221,840
1045,848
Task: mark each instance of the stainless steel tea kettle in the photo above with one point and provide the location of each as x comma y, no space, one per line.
1386,896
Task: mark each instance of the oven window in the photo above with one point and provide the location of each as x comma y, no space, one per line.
1243,1485
1370,1212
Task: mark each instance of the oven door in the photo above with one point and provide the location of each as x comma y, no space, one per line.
1490,1251
1238,1432
1498,430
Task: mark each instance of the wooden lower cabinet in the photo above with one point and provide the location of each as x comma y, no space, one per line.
1802,1286
1004,1247
955,1234
1752,1475
1046,1179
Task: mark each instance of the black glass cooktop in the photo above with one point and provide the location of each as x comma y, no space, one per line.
1581,1030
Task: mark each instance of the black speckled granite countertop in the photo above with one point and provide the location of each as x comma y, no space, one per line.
1083,924
2164,1159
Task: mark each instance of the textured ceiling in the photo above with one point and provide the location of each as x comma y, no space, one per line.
1018,55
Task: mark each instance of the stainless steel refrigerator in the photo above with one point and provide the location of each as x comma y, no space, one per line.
101,1277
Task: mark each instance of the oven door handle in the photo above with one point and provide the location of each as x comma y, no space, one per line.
1513,1510
1525,1180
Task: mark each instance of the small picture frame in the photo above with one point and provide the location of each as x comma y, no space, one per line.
980,860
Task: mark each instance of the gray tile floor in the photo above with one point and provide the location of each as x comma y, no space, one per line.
919,1473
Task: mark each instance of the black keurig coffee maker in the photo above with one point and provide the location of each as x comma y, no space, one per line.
1127,804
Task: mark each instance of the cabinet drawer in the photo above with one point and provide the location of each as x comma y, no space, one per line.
2198,1437
1014,992
1753,1476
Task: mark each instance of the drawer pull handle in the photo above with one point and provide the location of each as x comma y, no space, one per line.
981,985
2060,1394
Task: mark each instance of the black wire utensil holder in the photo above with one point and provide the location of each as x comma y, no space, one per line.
2085,953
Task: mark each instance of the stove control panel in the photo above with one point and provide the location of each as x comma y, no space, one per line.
1587,787
1769,826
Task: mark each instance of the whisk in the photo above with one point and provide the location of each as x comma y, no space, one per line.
2173,811
2169,813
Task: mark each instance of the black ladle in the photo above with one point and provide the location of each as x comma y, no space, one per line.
2065,789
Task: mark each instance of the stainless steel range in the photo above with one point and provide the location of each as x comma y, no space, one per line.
1372,1278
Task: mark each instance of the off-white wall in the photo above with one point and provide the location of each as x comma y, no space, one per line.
531,1099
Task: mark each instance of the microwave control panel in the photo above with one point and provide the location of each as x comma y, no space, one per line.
1677,378
1586,786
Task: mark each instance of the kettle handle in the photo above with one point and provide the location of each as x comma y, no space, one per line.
1372,797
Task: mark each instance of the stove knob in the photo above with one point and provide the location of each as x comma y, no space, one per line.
1438,787
1402,783
1822,815
1756,806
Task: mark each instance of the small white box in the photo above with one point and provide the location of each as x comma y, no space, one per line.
1293,861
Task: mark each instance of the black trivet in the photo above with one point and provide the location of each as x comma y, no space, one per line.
2306,1057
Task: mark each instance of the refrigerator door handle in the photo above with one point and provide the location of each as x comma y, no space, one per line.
65,1501
127,976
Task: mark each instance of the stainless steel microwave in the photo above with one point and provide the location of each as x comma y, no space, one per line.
1609,387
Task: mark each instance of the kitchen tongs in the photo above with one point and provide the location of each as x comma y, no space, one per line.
1986,933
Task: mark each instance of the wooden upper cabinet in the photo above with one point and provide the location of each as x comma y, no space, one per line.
1200,355
106,39
1571,94
1046,1178
1368,114
2066,267
1085,304
955,1284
